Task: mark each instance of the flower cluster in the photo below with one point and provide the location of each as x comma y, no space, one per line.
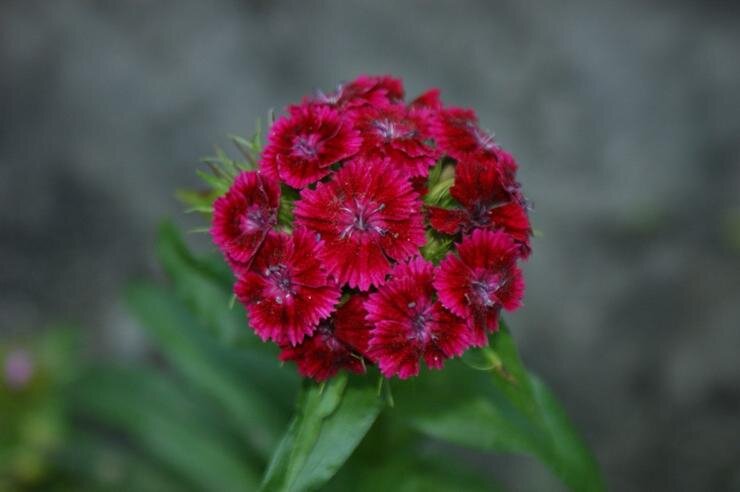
404,231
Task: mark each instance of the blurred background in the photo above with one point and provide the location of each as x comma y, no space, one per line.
624,116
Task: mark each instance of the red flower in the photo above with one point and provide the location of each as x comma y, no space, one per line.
339,342
429,99
286,292
244,215
304,144
458,135
420,185
365,90
410,324
366,216
481,279
489,200
400,134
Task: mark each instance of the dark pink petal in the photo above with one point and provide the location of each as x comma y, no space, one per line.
445,220
366,90
513,219
419,184
245,215
457,134
358,262
366,215
490,199
302,145
429,99
398,134
478,182
339,342
409,324
481,280
321,356
286,292
452,283
351,325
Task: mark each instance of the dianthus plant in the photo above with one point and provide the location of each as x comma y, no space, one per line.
382,237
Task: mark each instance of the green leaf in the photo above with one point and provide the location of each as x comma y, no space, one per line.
204,289
244,395
420,475
331,421
439,195
97,463
436,247
500,407
167,423
288,196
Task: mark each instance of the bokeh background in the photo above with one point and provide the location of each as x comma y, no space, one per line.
624,116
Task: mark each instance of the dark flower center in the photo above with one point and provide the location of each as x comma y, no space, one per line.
390,130
326,331
484,290
330,98
480,215
362,215
280,282
484,139
420,315
256,219
306,146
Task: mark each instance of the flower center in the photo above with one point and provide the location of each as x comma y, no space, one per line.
361,216
419,315
484,290
390,130
256,219
326,331
280,283
306,146
480,215
330,98
482,137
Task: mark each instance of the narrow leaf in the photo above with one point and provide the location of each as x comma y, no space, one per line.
166,423
328,426
499,407
201,361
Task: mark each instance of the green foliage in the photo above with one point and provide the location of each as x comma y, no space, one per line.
436,247
209,367
167,425
331,421
214,410
222,170
33,419
204,285
499,407
441,179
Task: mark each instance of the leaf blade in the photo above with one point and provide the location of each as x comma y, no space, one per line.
330,423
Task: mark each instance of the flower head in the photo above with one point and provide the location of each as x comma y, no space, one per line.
244,216
489,198
458,135
363,91
305,143
367,216
286,292
400,134
339,342
481,279
332,248
429,99
410,324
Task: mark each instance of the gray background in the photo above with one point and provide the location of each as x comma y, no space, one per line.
625,117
